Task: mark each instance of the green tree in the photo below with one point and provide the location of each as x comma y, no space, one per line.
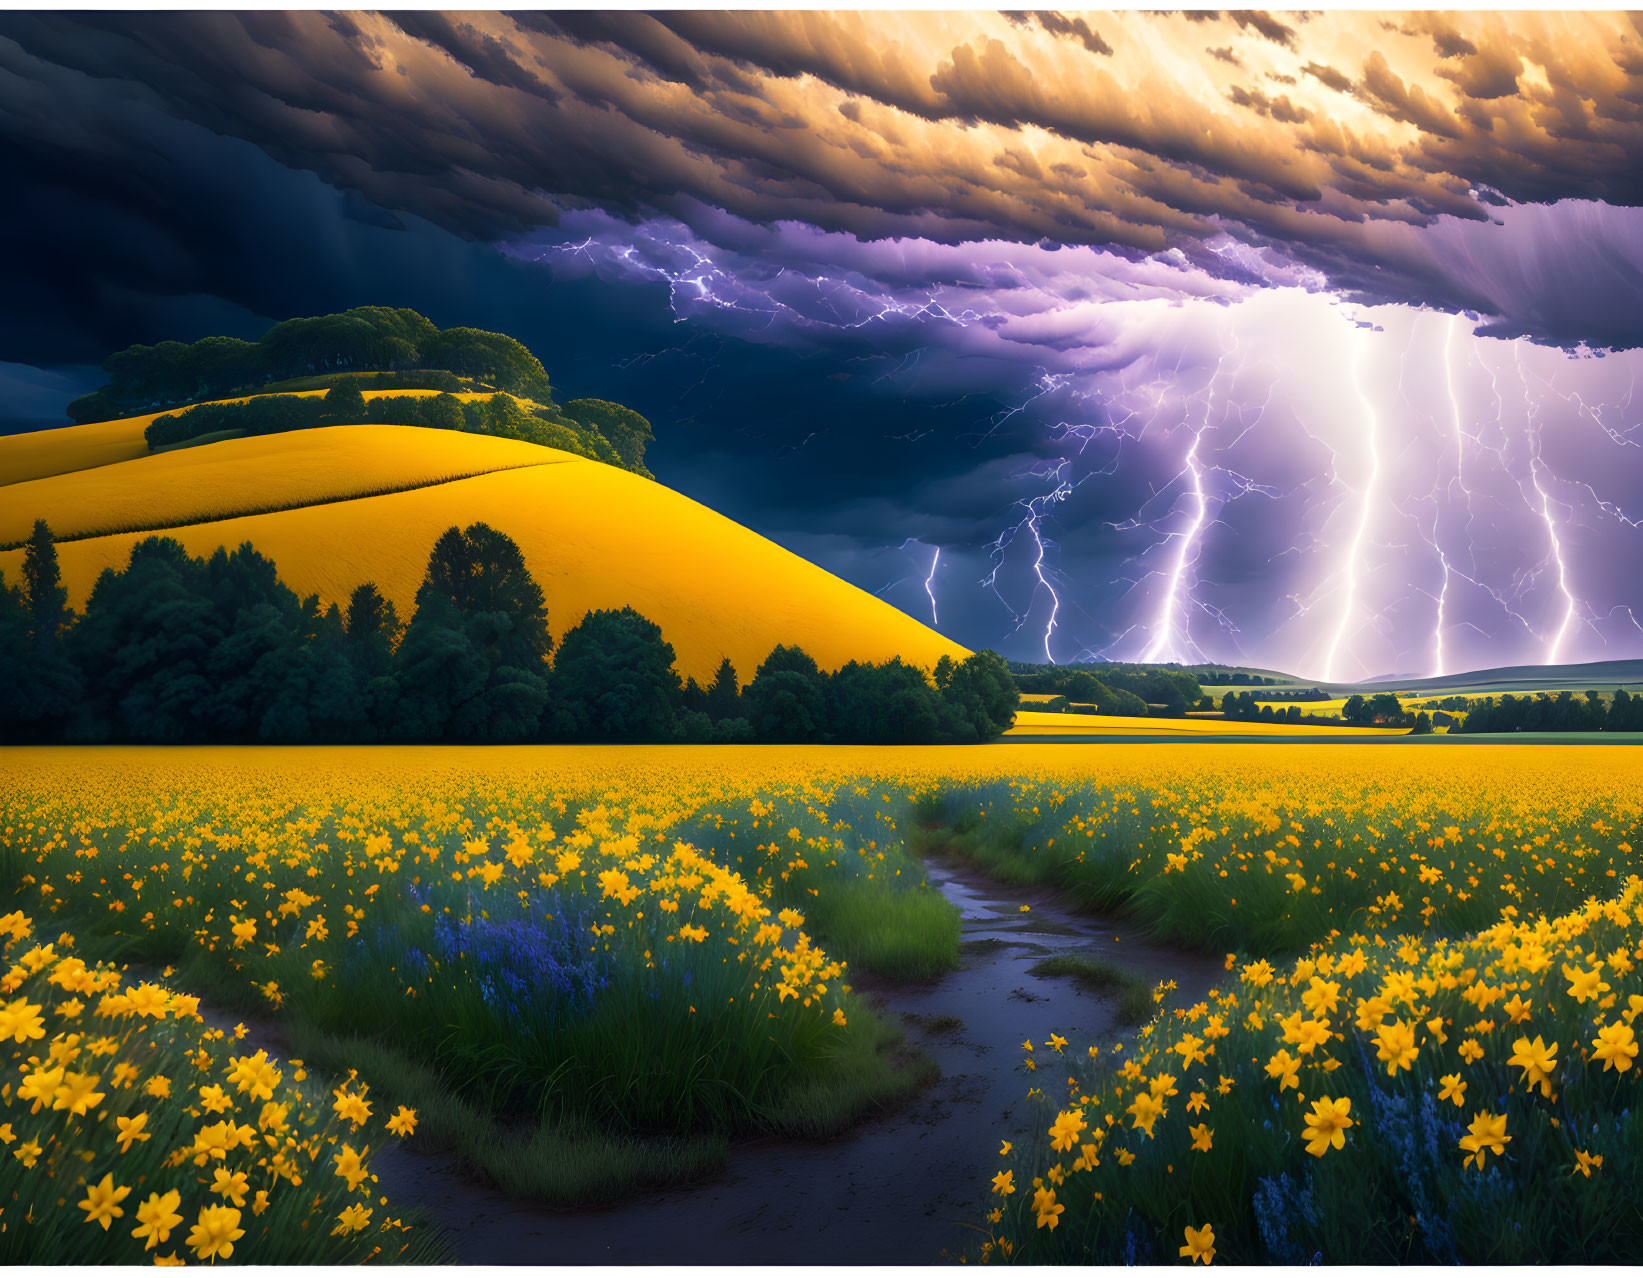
980,693
51,686
615,679
473,662
724,695
628,433
787,698
345,402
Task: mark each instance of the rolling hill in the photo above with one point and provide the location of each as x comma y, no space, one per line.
339,506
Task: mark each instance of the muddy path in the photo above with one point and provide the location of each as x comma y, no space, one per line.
906,1188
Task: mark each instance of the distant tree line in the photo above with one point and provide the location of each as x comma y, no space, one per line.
145,378
1112,688
588,427
1563,713
176,649
1383,710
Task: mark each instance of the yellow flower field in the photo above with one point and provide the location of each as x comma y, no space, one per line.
1457,1029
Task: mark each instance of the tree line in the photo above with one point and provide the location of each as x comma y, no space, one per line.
1383,710
1563,713
592,428
1119,689
176,649
144,378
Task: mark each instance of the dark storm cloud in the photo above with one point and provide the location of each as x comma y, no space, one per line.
926,125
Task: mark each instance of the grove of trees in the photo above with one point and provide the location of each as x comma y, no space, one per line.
145,378
345,404
172,649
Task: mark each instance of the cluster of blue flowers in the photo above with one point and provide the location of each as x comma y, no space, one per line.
536,965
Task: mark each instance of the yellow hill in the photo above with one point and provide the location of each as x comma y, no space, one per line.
41,453
249,476
593,536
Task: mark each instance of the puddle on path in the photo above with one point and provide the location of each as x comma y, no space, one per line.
898,1190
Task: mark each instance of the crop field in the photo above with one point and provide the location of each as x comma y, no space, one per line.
241,476
1032,723
570,964
67,449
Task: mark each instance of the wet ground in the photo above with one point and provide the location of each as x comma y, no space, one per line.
902,1189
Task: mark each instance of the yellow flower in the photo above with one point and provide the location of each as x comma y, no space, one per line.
157,1217
1326,1125
27,1153
1064,1131
215,1232
838,1017
1453,1089
1615,1046
356,1109
20,1021
1284,1068
102,1200
1057,1042
255,1075
352,1219
1005,1148
1536,1060
1487,1133
1201,1135
1200,1244
1470,1052
403,1123
1197,1103
231,1185
214,1100
1004,1183
159,1087
1395,1044
1049,1211
75,1093
131,1129
349,1167
1584,985
1584,1163
1145,1110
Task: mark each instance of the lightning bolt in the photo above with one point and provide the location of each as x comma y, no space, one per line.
1360,357
930,589
1554,646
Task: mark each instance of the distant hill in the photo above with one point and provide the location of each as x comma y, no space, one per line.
340,506
1600,675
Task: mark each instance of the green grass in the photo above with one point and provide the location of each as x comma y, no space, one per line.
1132,991
907,935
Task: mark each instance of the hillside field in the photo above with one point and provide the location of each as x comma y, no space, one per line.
593,536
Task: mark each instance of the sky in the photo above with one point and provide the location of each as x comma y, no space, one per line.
1307,341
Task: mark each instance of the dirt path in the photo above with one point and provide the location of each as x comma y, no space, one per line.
900,1190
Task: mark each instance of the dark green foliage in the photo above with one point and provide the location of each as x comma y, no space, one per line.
615,679
1422,726
627,431
724,695
50,686
1114,688
344,402
473,665
174,649
980,696
500,415
1561,713
1241,705
787,699
367,338
883,704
